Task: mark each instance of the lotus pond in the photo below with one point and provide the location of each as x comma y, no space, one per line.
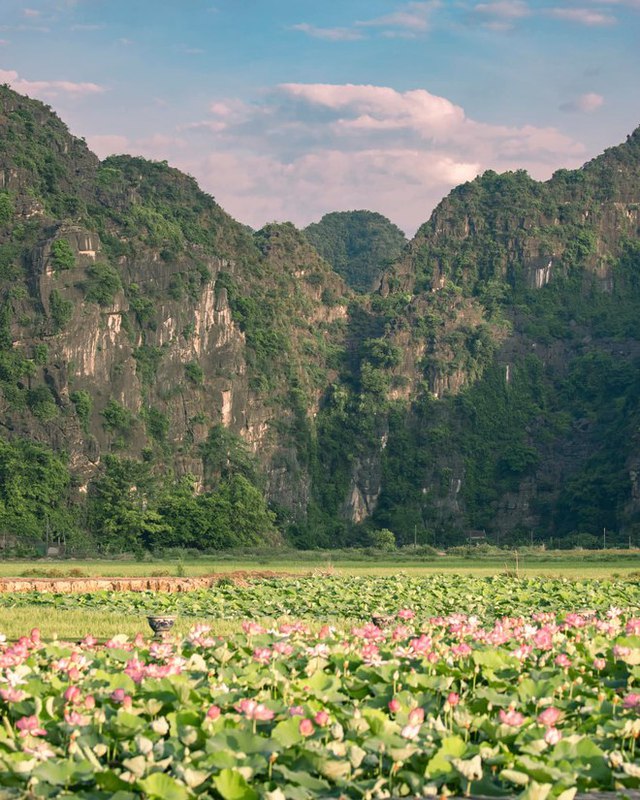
489,687
326,597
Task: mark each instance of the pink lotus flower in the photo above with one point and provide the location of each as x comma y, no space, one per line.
283,648
453,699
320,650
40,750
421,644
136,670
552,736
89,702
321,718
254,710
619,651
262,655
30,726
371,654
631,701
12,695
73,695
306,727
75,718
416,716
410,732
161,650
296,711
562,660
213,712
461,650
543,639
324,632
252,628
549,716
401,632
406,613
35,635
120,696
511,717
599,663
632,627
394,705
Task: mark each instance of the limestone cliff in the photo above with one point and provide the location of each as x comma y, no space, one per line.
491,382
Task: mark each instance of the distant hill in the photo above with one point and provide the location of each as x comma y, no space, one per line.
359,245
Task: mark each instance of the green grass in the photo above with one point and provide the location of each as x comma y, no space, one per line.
75,624
598,563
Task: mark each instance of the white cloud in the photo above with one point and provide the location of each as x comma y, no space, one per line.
413,17
328,34
585,103
583,16
502,14
48,89
505,9
306,149
32,13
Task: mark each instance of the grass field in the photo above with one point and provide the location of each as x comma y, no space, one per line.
75,624
571,564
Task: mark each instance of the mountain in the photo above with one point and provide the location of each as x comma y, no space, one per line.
359,245
169,378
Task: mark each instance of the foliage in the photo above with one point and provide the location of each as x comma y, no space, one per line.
102,284
62,255
34,495
225,454
148,358
157,424
117,418
42,403
383,539
359,245
194,373
83,403
6,208
430,703
61,310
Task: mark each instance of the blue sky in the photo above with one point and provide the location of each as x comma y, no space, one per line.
287,109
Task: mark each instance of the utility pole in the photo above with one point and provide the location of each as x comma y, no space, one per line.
415,537
604,538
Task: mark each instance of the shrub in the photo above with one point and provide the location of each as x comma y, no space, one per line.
383,539
62,255
102,284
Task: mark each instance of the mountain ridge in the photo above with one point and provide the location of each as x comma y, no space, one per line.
145,329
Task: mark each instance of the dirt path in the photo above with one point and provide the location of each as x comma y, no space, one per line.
133,584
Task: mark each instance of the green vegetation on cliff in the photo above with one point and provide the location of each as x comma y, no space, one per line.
359,245
181,380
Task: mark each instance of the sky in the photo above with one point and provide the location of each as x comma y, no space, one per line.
289,109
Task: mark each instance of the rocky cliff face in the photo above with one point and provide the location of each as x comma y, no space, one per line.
489,383
139,295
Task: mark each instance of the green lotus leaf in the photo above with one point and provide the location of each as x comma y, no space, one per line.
233,786
160,786
440,763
